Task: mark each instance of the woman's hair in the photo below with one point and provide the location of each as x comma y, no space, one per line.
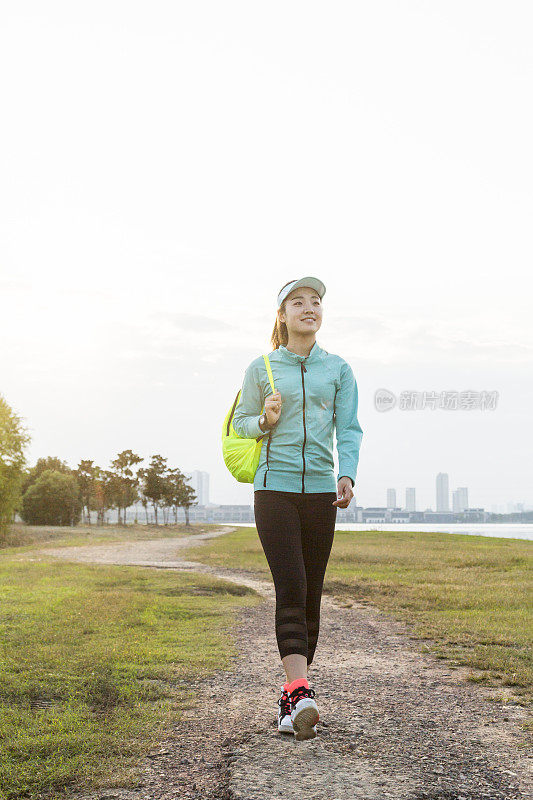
280,334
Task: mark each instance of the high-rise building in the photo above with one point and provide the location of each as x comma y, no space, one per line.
460,499
410,499
391,498
199,481
443,492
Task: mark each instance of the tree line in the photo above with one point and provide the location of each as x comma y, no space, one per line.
51,493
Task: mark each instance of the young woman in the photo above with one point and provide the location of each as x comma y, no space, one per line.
296,495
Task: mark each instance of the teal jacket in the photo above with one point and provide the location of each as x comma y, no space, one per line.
319,393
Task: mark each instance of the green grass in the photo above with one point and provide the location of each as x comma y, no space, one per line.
95,659
469,597
27,537
94,667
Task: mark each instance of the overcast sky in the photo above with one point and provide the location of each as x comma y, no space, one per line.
166,167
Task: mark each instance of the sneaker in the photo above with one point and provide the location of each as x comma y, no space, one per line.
284,712
304,713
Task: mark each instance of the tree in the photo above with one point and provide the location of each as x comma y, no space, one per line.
127,482
153,480
86,474
107,492
13,439
173,485
50,462
189,499
54,499
178,494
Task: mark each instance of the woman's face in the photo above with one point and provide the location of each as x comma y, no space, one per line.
303,311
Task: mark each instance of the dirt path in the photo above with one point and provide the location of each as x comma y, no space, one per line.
395,723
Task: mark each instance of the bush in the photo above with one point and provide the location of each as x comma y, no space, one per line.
54,499
13,440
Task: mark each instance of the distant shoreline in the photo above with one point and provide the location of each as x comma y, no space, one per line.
508,530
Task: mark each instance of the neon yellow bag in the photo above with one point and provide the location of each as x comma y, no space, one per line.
241,455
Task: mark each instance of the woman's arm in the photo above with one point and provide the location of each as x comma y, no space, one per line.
246,416
348,431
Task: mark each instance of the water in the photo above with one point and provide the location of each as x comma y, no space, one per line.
504,530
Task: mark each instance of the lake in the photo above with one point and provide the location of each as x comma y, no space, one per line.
503,530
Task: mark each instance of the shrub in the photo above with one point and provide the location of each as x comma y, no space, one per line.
54,499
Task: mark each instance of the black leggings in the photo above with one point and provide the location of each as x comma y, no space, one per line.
296,531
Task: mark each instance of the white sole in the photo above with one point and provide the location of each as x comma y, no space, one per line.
287,727
304,718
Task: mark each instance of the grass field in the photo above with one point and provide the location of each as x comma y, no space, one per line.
22,536
95,659
95,662
469,597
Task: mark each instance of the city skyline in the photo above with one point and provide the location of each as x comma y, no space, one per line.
200,481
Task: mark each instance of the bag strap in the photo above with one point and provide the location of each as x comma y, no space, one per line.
269,370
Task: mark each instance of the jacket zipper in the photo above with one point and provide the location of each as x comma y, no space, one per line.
268,448
305,435
305,432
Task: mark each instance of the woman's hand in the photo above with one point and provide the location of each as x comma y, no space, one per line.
344,492
273,408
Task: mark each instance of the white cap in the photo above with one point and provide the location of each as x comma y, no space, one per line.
312,283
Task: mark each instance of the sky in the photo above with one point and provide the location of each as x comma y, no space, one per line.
166,167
